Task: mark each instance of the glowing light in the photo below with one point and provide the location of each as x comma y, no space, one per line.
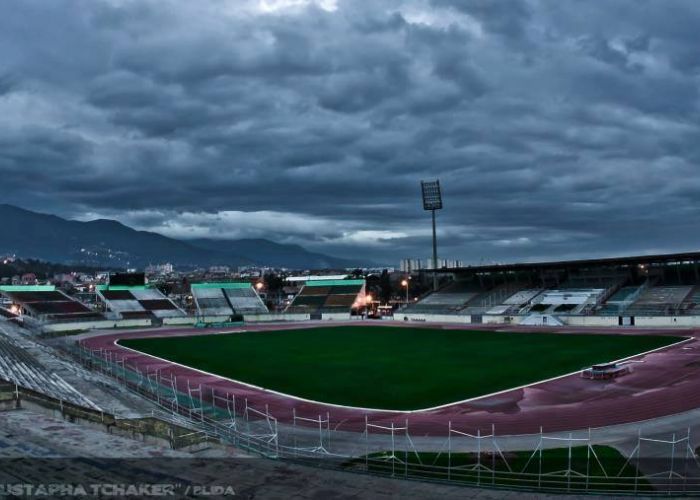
404,283
259,285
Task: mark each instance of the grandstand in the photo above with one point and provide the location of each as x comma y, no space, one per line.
328,296
692,301
572,300
659,301
138,302
650,286
46,304
619,301
21,368
469,298
227,299
211,300
492,300
519,300
451,298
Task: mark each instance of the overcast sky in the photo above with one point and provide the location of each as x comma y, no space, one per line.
558,129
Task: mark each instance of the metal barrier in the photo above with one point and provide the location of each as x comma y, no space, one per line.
570,462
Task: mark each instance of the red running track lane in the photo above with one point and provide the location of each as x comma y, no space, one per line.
666,383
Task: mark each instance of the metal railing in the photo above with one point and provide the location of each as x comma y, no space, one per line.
570,462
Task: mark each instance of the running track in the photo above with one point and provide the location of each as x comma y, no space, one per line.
666,382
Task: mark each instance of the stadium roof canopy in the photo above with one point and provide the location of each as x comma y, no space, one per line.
294,279
122,287
226,284
321,283
27,288
661,259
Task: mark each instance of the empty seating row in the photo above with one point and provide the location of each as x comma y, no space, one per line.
449,299
51,305
59,307
315,290
211,301
455,297
20,367
692,301
485,302
126,301
569,296
29,297
659,300
245,300
618,302
328,296
522,297
227,299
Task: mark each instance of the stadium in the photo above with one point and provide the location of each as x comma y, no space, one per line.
577,376
226,269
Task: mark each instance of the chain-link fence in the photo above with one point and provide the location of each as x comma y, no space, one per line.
570,462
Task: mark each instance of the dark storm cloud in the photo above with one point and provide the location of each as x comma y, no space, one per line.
503,17
558,128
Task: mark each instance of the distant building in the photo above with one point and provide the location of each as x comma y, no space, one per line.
29,279
63,278
160,269
303,279
444,264
410,265
219,269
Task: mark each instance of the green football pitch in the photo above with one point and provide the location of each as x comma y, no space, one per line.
394,368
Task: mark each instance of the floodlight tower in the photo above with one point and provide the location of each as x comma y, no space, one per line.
432,200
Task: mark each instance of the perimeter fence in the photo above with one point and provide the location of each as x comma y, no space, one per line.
572,462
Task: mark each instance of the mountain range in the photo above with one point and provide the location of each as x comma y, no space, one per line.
109,243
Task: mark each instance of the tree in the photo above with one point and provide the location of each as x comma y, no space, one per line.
386,291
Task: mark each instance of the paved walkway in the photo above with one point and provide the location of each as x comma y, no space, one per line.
97,458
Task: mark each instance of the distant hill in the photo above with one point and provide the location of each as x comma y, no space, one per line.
269,253
105,242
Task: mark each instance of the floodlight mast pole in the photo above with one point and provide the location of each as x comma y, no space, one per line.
435,261
432,200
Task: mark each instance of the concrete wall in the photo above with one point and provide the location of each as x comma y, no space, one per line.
148,430
267,317
666,321
589,320
582,321
541,320
95,325
441,318
501,320
130,323
336,316
213,319
188,320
